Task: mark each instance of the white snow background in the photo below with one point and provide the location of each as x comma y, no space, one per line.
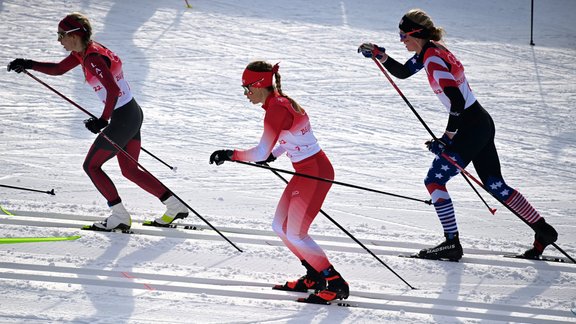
184,65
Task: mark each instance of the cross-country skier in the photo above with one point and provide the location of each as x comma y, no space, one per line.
120,121
288,124
468,137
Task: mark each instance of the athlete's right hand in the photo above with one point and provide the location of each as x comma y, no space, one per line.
221,156
19,65
95,125
438,146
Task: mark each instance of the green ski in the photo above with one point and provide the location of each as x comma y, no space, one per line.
15,240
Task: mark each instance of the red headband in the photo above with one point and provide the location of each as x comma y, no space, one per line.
259,79
70,23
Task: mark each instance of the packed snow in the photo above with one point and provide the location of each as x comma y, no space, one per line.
184,66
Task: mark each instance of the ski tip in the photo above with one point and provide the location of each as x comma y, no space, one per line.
541,258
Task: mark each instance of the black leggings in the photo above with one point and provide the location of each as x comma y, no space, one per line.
124,130
474,143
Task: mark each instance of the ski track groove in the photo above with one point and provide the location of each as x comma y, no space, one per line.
263,291
262,237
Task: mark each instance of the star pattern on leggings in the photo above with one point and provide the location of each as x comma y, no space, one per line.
496,185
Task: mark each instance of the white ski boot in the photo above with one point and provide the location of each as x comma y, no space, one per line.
119,220
174,210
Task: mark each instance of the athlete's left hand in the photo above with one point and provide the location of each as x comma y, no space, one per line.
221,156
438,146
95,124
271,158
19,65
372,50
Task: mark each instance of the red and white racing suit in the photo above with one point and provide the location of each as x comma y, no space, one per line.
302,199
103,72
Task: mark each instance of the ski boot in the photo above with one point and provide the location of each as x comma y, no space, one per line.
119,220
544,235
175,209
450,249
311,280
337,289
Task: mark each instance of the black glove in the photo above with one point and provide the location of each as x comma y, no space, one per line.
271,158
439,146
95,124
221,156
19,65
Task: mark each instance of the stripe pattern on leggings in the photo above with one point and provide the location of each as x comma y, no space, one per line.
520,205
445,211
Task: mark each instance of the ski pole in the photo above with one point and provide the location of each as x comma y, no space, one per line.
428,202
50,192
89,113
492,210
175,196
350,235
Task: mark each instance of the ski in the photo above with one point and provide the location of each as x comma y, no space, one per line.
5,211
15,240
416,256
284,288
333,303
98,229
545,258
172,225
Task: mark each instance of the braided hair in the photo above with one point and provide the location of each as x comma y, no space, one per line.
262,66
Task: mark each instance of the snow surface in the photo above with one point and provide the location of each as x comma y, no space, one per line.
184,66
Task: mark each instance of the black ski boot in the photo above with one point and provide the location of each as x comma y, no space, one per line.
544,235
311,280
337,289
448,250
